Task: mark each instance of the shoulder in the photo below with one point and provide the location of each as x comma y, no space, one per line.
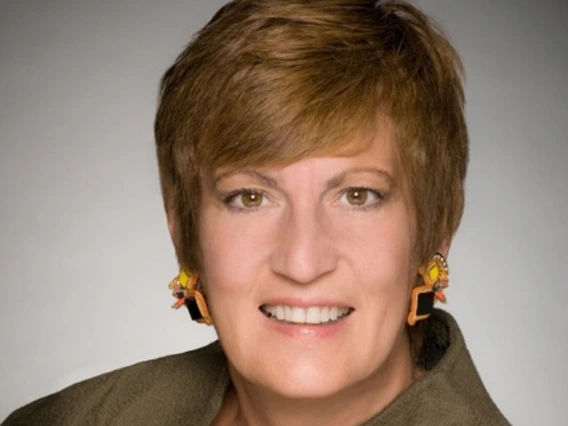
149,392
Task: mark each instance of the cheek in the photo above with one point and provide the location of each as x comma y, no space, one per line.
384,265
234,249
380,246
234,252
381,252
390,259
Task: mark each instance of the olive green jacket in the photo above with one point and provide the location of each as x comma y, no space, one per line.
188,389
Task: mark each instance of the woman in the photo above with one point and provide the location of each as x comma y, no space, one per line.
312,159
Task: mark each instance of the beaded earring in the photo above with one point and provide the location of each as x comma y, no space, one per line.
184,288
435,279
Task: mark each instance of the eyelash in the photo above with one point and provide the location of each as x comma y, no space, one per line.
231,196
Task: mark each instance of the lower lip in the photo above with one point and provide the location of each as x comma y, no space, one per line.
308,331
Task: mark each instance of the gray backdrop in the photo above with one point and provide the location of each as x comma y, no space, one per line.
85,256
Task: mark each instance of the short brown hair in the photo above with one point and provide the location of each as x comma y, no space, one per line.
268,82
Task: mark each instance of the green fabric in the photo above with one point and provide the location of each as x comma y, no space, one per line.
188,389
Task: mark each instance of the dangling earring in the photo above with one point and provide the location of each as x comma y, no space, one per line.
435,276
184,288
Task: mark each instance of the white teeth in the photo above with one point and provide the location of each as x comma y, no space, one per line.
311,315
324,314
298,315
333,313
280,313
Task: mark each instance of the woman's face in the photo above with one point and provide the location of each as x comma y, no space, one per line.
307,270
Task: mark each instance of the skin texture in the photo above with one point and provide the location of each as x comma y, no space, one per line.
310,235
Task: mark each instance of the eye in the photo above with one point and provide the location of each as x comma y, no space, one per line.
251,199
246,199
360,197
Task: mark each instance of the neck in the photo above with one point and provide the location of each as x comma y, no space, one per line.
248,404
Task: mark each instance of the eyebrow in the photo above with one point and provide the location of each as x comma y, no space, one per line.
332,183
268,181
338,180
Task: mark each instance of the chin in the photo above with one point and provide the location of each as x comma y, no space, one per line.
310,379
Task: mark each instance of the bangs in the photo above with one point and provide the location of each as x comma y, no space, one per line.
271,117
302,80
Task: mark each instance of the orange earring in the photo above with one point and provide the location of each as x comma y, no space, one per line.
184,289
435,276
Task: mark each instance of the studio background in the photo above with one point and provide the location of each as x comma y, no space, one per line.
85,256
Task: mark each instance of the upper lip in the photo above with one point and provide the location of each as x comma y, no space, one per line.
305,303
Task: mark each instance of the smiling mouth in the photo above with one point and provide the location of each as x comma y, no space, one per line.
314,315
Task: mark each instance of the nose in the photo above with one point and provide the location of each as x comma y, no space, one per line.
305,250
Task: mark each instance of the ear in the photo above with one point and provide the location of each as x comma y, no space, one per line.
173,231
171,224
444,248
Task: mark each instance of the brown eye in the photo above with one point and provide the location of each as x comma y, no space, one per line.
360,198
250,200
357,196
246,199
